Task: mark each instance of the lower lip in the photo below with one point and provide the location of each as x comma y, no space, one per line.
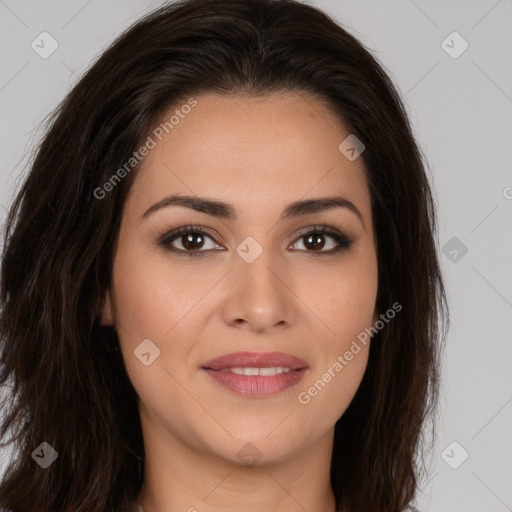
256,385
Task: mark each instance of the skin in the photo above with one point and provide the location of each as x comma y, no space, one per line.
259,155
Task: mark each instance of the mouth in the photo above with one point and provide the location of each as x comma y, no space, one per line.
256,374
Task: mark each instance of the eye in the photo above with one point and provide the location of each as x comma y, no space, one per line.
193,240
313,240
190,238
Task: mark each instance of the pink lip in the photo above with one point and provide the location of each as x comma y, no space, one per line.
255,360
256,385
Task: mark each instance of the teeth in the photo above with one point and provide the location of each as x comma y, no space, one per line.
273,370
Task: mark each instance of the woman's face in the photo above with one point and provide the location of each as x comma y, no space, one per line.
257,282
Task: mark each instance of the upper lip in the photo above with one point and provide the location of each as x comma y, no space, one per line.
255,360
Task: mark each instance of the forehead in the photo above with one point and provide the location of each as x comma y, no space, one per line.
251,151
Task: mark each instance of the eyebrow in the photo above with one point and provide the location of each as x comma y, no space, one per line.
226,211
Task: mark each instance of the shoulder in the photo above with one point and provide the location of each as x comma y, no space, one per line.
410,508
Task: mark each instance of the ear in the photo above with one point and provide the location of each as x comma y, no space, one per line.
106,310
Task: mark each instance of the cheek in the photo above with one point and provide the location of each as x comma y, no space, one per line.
347,303
351,311
156,300
150,299
342,362
151,303
327,394
346,309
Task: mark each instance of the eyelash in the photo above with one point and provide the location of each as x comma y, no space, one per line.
343,241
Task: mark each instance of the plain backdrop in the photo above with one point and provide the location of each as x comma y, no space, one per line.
460,103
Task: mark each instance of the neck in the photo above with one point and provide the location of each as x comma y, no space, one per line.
181,477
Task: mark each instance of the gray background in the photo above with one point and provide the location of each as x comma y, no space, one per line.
461,110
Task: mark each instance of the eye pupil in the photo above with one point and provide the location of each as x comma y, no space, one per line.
189,244
318,241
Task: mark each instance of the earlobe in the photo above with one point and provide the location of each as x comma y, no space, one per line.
106,310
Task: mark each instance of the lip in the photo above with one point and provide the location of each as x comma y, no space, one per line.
256,385
255,360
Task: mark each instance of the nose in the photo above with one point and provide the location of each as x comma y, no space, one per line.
259,295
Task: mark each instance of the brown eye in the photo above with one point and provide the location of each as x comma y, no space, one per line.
314,240
192,241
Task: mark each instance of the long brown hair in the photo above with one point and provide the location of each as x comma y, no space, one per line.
67,382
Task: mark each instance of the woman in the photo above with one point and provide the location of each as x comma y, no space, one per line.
220,279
